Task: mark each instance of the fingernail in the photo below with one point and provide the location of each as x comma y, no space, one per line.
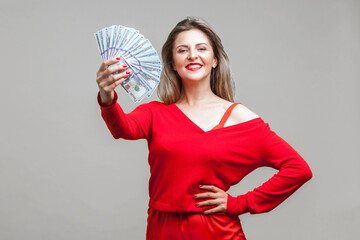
200,185
127,72
194,196
196,205
117,58
125,77
124,65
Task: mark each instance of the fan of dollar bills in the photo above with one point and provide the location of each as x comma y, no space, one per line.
137,53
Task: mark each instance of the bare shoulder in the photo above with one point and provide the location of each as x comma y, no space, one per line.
241,113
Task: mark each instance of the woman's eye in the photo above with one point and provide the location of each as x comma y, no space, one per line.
202,49
181,50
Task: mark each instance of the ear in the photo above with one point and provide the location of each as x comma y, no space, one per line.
215,62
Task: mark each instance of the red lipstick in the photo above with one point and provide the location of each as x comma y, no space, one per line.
193,66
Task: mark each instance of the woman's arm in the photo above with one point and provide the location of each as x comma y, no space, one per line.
131,126
293,173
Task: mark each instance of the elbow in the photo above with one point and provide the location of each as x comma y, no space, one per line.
301,172
125,135
116,137
119,133
115,134
306,173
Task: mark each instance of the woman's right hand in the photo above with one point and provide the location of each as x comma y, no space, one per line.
108,83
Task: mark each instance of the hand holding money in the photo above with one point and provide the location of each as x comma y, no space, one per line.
108,79
137,53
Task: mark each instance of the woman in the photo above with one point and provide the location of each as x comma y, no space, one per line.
200,142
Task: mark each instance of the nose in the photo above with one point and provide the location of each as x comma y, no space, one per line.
192,54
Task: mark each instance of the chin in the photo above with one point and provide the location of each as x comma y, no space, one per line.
193,77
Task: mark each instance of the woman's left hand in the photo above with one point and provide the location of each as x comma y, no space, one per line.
220,199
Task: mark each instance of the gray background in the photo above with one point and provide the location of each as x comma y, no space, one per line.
63,176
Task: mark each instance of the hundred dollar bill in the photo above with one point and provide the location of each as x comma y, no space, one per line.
137,53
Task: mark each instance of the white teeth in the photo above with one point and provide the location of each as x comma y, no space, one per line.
193,66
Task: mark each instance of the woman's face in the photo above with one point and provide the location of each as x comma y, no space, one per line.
193,56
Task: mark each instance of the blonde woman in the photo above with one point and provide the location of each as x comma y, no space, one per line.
200,141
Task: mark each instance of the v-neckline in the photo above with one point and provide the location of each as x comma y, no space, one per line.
211,130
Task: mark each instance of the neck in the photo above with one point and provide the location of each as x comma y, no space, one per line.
196,93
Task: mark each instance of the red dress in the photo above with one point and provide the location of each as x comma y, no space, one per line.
183,156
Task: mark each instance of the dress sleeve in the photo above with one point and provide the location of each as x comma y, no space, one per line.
130,126
293,173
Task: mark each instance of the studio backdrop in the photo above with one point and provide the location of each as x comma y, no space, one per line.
62,174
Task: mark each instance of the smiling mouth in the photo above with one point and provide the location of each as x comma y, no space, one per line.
193,67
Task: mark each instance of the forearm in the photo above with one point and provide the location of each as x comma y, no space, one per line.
121,125
293,173
273,192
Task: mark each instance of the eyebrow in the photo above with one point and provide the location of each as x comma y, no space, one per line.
183,45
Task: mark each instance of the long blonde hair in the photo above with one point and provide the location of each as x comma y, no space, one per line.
221,83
